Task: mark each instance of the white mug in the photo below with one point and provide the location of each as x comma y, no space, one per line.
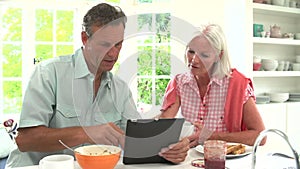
57,161
187,129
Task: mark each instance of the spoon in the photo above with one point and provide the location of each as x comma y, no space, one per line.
62,143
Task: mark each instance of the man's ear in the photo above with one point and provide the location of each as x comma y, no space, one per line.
84,37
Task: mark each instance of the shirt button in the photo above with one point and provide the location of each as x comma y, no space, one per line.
201,118
204,105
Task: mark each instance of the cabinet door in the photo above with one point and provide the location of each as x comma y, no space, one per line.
273,115
293,124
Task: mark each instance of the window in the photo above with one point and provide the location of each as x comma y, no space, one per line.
153,72
42,34
32,33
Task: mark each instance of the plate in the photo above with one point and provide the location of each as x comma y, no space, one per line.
248,151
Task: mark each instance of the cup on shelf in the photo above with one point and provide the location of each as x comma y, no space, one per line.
286,65
293,4
257,29
296,66
263,34
280,66
298,58
297,35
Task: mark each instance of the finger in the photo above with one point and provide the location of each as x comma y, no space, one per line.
175,158
116,128
115,137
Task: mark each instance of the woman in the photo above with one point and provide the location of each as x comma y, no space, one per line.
213,96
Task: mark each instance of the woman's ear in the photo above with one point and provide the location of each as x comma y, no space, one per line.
221,54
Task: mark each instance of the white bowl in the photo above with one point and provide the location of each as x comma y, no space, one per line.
296,66
297,35
298,58
278,97
278,2
269,64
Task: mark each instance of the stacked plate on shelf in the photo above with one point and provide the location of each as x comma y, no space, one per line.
262,99
294,97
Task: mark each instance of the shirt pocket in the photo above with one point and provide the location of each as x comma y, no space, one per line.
108,116
65,116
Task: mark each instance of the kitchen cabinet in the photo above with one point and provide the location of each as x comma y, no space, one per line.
293,119
283,116
281,49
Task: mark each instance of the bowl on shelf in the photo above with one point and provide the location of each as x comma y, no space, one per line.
256,66
279,97
278,2
97,156
269,64
298,58
297,35
296,66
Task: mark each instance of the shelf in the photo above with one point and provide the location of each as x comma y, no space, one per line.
268,9
276,74
276,41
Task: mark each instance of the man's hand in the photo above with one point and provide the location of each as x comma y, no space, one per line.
109,134
177,152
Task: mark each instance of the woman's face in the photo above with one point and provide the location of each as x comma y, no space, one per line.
200,56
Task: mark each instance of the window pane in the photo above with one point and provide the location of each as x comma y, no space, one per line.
64,50
12,24
160,87
12,64
145,22
145,90
44,25
64,26
163,66
12,97
44,52
163,27
145,1
113,1
145,60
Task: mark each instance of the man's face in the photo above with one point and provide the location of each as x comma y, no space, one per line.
103,47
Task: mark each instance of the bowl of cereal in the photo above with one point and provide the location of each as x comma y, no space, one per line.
97,156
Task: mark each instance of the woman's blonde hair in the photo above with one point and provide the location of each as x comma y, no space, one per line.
214,34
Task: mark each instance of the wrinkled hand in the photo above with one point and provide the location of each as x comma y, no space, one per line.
177,152
194,138
108,134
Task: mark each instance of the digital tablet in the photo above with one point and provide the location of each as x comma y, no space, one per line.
146,137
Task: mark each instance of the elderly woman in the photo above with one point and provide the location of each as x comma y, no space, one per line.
215,97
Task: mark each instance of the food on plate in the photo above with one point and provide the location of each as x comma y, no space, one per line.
235,149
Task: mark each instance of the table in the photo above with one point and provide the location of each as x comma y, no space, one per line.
263,162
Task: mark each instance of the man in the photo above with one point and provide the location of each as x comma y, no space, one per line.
76,99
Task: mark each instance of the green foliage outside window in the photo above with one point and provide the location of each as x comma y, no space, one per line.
161,68
12,96
11,22
44,25
64,26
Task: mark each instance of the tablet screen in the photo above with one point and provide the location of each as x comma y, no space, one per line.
146,137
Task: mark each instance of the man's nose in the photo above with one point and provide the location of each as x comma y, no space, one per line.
114,51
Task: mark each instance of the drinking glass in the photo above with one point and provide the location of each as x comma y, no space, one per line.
214,154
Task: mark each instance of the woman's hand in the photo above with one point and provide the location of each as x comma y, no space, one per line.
177,152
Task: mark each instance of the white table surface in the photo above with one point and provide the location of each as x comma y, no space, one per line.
263,162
